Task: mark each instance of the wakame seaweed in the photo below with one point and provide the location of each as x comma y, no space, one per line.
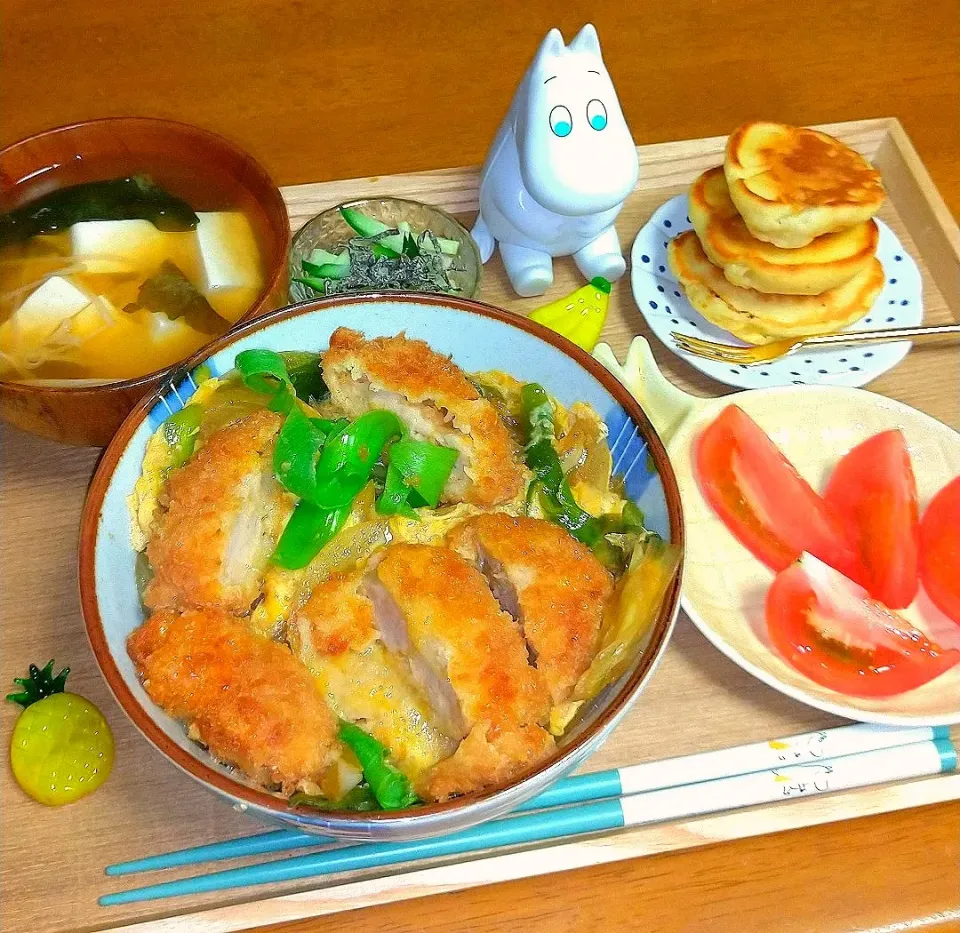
170,292
136,197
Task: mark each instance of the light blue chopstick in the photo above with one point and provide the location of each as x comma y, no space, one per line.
584,788
280,840
632,809
578,789
594,817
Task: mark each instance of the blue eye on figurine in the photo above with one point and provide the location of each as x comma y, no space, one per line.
561,122
596,114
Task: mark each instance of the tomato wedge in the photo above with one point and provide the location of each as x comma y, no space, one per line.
873,491
829,629
767,506
940,550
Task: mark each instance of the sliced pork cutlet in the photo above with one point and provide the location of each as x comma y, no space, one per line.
335,635
436,609
436,401
245,697
225,512
550,583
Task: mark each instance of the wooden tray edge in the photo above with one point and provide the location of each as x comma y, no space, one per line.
882,139
651,155
923,211
545,860
937,238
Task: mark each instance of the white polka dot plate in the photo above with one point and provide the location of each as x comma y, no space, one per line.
662,303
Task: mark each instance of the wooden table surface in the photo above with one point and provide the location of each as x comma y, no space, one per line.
323,91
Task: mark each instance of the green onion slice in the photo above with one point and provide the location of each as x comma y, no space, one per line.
390,786
307,531
417,474
553,492
265,371
180,431
359,798
297,452
349,456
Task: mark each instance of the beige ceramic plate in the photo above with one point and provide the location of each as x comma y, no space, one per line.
724,586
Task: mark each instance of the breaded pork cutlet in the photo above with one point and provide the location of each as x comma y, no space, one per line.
437,610
437,402
549,582
248,699
225,512
335,635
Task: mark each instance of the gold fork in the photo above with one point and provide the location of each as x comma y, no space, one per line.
750,356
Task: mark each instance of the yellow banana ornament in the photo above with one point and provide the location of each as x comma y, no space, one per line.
579,316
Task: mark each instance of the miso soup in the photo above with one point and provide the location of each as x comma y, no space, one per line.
118,278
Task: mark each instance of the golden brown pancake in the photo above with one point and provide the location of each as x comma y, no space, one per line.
758,318
825,263
792,184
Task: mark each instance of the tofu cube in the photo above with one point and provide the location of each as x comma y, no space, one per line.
232,303
93,319
132,247
228,251
161,329
114,246
46,309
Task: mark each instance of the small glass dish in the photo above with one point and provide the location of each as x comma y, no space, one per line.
329,231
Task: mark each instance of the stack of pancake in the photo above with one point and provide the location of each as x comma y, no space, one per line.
784,242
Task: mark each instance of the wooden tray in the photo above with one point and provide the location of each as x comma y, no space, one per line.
53,860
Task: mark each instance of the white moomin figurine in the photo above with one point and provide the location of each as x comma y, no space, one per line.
559,169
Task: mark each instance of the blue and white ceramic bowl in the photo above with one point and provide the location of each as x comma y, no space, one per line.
478,337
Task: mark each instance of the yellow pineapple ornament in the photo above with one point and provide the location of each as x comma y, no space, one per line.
579,316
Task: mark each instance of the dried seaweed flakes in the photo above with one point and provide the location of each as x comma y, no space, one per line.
368,272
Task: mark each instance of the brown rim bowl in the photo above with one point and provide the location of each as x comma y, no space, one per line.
186,160
106,561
